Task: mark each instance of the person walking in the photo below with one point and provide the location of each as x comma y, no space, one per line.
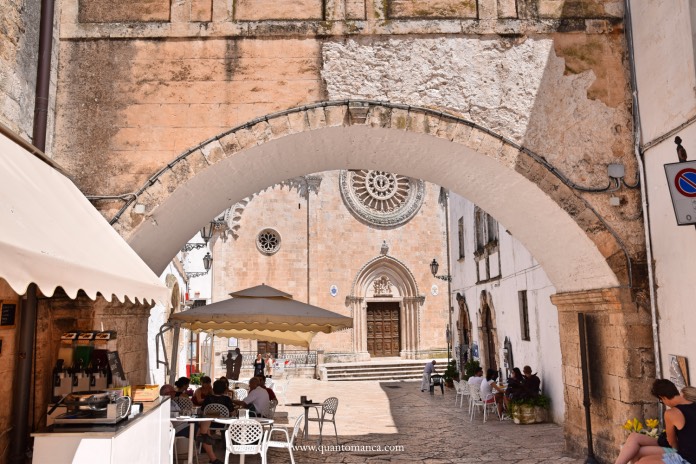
427,372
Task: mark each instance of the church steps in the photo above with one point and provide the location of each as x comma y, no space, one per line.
374,370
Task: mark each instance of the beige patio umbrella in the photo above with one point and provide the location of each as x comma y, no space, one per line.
262,313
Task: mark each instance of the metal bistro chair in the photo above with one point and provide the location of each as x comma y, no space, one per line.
326,414
245,436
289,439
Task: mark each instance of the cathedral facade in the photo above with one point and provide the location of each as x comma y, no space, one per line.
355,242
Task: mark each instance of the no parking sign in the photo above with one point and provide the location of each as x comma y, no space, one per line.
681,179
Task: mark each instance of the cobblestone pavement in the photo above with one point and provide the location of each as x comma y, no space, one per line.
430,429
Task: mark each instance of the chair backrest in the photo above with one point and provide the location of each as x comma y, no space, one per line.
330,405
269,383
184,403
296,428
240,394
216,410
475,393
457,386
244,436
464,385
270,411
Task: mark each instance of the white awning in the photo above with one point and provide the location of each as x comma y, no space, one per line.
51,235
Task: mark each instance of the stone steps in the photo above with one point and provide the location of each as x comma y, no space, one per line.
374,370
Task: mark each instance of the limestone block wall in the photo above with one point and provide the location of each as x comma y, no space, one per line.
339,246
19,49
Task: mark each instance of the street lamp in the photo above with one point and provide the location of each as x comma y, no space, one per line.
206,235
207,264
434,266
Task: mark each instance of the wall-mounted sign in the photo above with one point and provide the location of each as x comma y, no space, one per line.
9,314
333,290
678,371
434,290
681,179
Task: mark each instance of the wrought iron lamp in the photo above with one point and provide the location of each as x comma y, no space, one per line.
434,266
206,235
207,264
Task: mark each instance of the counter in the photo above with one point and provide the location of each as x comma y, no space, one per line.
143,438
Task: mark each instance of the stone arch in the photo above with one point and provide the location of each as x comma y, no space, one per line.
404,291
578,252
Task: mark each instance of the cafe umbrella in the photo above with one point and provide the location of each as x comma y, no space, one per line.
262,313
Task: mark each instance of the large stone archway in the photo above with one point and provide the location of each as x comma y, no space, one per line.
583,257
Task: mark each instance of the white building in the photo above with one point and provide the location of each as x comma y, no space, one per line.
501,300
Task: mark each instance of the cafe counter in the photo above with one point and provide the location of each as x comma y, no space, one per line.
141,438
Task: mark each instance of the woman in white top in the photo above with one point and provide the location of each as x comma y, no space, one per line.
491,392
269,365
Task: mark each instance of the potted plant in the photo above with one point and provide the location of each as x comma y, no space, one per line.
530,410
451,373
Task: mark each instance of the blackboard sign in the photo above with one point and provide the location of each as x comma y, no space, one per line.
115,364
9,311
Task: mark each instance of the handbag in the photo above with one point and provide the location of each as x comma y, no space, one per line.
662,440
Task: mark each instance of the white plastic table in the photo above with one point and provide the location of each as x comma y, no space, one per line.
192,430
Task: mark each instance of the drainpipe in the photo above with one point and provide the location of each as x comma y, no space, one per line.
27,337
643,190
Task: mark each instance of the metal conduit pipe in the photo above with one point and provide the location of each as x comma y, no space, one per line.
643,189
23,382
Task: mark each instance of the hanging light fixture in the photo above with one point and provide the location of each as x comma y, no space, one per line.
207,232
207,261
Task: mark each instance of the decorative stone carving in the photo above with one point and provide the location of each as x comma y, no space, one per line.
385,248
381,198
382,286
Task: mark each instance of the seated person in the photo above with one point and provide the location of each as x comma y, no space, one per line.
530,383
257,400
514,390
182,385
271,394
182,428
203,392
680,425
217,397
476,379
491,392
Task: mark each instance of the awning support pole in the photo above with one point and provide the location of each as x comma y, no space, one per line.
175,355
23,379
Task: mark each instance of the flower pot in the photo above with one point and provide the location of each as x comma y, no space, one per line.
524,414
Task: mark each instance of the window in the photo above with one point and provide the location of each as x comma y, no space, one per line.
461,237
268,241
524,314
486,229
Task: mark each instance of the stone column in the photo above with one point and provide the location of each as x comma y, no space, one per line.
357,307
621,366
410,327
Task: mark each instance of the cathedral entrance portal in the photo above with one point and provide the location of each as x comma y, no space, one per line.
383,337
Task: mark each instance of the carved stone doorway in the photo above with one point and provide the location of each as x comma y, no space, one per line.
264,347
383,336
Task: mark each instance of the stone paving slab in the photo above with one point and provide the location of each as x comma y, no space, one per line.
429,428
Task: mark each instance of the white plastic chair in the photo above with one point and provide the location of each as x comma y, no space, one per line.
216,410
289,439
243,437
463,391
240,394
172,440
327,413
185,404
477,401
269,413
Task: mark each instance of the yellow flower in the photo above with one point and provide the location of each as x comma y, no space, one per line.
637,425
628,425
652,423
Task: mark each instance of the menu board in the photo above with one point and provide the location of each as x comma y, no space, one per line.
7,317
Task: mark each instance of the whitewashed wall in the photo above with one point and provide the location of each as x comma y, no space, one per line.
519,271
666,79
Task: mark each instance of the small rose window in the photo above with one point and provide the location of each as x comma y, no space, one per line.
268,241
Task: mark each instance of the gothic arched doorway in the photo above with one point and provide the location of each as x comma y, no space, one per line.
463,329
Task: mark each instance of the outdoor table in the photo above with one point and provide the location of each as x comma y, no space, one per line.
192,432
306,407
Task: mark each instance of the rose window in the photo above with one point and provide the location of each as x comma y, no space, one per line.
268,241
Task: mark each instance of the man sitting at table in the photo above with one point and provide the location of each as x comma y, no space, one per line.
271,394
257,400
218,397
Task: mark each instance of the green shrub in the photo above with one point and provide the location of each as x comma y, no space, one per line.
470,368
451,373
196,378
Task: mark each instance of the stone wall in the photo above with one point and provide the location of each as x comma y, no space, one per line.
60,314
620,364
19,49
